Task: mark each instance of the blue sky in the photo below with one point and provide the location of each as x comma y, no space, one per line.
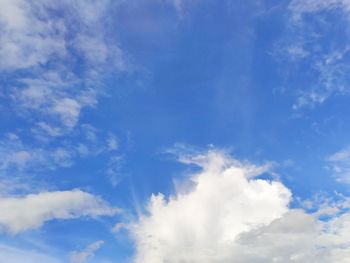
174,131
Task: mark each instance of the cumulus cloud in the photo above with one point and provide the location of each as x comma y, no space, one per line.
89,251
227,214
32,211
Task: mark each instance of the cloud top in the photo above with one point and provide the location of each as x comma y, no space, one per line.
228,215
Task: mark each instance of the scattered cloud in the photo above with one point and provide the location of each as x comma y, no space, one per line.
339,163
114,169
32,211
112,142
228,214
41,40
89,251
315,57
27,40
20,160
300,7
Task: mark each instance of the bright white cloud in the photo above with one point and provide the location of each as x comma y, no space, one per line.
226,214
89,251
32,211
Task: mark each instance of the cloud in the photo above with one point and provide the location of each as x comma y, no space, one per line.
26,40
32,211
112,142
195,226
18,160
45,39
316,39
17,157
227,214
55,57
17,255
114,169
89,251
300,7
68,110
339,163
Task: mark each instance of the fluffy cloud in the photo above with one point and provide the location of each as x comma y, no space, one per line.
82,256
22,213
225,213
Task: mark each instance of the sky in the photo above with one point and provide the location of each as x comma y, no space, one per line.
174,131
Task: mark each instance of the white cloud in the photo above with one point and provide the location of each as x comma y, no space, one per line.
11,254
32,211
68,109
112,143
181,6
26,40
63,50
114,169
339,163
18,159
89,251
47,129
33,35
311,43
16,156
196,226
300,7
226,214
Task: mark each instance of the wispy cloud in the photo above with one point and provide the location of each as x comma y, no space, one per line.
339,163
18,158
89,251
314,55
45,40
56,56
